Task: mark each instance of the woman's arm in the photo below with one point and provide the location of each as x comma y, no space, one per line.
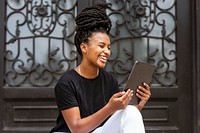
82,125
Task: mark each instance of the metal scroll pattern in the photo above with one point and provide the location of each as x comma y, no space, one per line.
39,34
39,41
143,30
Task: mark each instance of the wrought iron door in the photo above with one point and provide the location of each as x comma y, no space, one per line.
37,48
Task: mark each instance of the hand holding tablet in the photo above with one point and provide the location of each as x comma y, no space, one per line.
140,73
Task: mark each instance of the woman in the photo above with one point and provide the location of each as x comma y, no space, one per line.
87,96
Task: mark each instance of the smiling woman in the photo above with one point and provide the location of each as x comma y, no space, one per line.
96,52
88,97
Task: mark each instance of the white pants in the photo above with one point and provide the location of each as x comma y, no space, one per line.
128,120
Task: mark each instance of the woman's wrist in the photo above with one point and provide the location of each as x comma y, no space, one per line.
139,107
109,109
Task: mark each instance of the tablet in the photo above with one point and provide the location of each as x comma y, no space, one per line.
141,72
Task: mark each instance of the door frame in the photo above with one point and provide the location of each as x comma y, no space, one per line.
195,56
2,41
185,64
196,64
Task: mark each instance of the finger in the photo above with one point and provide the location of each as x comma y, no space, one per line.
145,90
127,95
119,94
142,97
146,86
138,95
128,98
143,93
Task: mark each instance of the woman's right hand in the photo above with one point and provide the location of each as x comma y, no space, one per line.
120,100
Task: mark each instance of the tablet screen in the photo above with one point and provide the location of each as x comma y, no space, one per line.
141,72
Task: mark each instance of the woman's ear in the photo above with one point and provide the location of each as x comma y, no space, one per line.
83,47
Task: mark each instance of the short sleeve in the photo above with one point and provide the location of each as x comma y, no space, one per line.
65,95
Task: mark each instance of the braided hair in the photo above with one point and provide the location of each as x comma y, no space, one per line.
91,19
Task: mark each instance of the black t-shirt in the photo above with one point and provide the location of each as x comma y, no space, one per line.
90,95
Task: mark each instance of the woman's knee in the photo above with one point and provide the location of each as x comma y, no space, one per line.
133,112
132,121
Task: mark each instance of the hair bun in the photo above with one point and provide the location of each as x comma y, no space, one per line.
93,17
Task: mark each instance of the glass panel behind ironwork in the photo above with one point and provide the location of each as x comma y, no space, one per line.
39,41
143,30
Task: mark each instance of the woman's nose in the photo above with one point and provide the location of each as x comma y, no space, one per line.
106,50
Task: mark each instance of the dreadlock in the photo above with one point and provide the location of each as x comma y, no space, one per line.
91,19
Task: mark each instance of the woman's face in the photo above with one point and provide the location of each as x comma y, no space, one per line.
97,50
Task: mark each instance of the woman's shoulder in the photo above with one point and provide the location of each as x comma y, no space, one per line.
67,80
69,75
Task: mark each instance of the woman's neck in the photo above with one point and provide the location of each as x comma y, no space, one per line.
87,72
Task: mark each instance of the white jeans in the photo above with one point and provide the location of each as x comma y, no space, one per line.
128,120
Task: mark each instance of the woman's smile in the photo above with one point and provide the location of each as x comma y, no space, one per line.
103,59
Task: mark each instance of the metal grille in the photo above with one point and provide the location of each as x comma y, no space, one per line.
39,41
143,30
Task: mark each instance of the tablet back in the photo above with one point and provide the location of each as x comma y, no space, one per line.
141,72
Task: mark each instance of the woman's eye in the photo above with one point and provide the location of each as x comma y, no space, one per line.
101,46
104,46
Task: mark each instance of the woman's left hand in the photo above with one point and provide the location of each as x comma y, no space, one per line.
143,93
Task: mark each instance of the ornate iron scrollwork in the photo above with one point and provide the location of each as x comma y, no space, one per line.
144,30
39,47
140,11
42,11
39,35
